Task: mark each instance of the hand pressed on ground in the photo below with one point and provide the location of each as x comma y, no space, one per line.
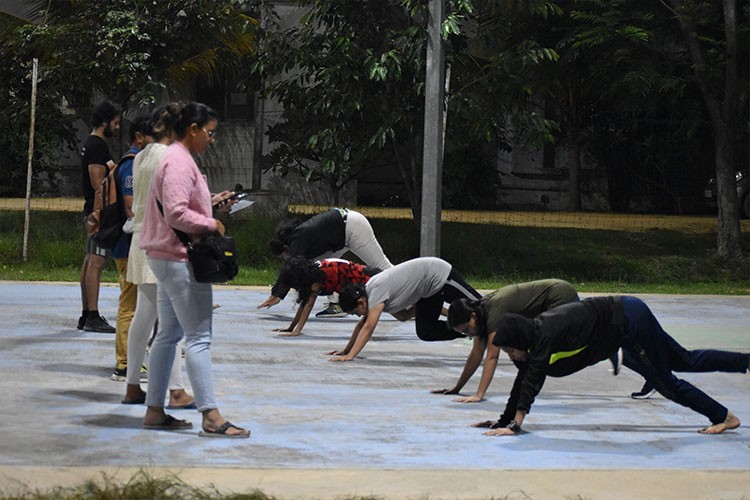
468,399
444,391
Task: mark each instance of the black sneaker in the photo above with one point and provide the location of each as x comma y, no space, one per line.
81,322
332,311
98,324
119,375
646,392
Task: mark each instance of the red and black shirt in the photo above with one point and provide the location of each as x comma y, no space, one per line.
340,272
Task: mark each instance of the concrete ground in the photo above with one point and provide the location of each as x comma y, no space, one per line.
368,427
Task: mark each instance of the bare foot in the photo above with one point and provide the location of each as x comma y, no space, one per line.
154,415
134,395
732,422
287,334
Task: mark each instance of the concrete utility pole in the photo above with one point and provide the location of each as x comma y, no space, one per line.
259,121
432,156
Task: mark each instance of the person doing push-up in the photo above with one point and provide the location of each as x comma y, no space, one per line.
568,338
416,288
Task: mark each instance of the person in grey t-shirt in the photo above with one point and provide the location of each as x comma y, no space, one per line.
416,288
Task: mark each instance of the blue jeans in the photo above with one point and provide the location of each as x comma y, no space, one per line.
650,351
185,307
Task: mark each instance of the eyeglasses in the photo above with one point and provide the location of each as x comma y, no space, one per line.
210,133
462,329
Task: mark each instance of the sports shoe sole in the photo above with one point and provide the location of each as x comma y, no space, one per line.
324,314
98,330
643,395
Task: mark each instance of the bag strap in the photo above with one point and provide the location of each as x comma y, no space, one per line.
125,157
183,237
115,174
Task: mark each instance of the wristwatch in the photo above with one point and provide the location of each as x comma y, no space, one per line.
513,426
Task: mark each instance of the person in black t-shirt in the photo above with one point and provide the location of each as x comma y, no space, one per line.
96,162
324,236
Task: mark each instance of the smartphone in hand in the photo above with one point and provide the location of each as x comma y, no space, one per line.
239,195
237,201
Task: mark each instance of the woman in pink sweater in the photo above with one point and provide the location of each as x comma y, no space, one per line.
185,306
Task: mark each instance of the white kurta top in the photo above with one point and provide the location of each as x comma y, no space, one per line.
144,166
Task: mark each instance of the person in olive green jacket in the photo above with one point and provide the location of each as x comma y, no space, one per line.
479,319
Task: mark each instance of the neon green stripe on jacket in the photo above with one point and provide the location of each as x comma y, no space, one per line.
565,354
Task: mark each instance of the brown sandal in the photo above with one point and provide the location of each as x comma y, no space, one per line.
169,424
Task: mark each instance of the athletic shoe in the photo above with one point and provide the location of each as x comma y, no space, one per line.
119,374
616,361
332,311
81,322
98,324
646,392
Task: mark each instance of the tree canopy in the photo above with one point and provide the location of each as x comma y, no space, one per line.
133,53
653,94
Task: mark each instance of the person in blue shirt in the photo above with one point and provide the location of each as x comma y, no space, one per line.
140,135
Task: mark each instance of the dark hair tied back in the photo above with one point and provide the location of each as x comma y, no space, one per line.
460,312
163,120
194,112
301,274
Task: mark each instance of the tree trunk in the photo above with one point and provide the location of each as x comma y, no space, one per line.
574,180
408,160
724,116
728,230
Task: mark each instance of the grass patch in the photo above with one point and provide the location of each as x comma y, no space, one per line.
657,261
141,486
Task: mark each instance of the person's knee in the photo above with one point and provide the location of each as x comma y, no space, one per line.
197,345
425,334
96,263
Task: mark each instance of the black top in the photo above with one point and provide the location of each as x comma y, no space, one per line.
313,238
566,339
94,152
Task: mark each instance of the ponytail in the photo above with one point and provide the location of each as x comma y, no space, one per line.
460,312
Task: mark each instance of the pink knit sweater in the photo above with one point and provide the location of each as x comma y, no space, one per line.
184,195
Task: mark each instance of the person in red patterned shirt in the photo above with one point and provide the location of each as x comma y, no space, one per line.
312,278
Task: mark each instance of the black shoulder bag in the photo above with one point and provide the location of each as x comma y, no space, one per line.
214,257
